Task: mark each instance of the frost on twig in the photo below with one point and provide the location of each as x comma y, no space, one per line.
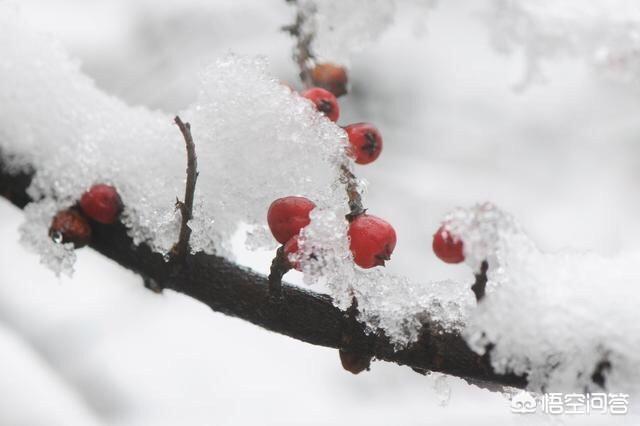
181,248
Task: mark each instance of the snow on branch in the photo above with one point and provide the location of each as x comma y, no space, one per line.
304,315
542,320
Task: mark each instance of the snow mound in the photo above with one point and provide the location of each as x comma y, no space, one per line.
561,318
256,141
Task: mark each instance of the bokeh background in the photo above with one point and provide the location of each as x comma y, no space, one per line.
98,348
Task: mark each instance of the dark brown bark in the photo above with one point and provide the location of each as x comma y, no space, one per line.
301,314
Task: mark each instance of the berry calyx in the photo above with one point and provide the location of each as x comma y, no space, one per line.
324,101
366,142
331,77
69,226
354,363
101,203
291,249
288,215
372,241
448,247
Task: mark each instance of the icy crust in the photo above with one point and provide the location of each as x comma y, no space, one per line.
256,141
554,317
606,34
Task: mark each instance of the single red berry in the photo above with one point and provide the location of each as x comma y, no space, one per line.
366,142
372,241
354,363
447,247
324,101
287,216
331,77
101,203
291,248
69,226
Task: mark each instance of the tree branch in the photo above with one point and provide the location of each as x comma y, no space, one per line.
306,316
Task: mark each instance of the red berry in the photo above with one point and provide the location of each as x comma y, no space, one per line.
287,216
372,241
447,247
354,363
366,142
324,101
69,226
101,203
330,77
291,248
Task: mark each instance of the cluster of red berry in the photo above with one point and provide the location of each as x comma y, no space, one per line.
101,203
372,240
365,141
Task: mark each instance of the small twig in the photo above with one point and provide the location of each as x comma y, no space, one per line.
279,266
302,52
181,248
481,281
355,198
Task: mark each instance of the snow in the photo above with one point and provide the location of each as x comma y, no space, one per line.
563,325
561,158
256,141
341,29
603,34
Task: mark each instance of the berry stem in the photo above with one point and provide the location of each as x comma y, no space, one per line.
479,286
181,248
302,51
355,198
279,266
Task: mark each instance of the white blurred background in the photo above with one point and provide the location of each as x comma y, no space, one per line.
100,349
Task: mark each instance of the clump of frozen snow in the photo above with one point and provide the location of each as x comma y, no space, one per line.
256,141
552,316
341,28
385,301
604,33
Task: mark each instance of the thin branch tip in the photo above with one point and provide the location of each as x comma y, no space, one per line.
181,248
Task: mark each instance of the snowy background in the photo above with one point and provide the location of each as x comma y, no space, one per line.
561,156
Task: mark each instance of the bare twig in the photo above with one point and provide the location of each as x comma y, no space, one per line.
279,266
481,281
355,199
302,53
181,248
